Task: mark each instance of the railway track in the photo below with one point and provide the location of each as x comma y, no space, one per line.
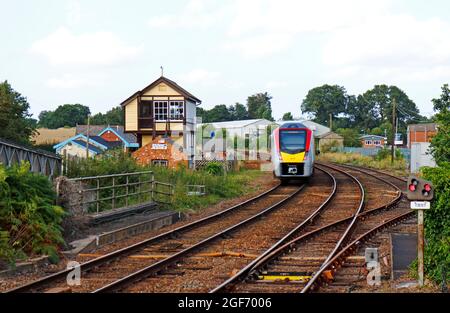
168,242
203,270
351,263
280,231
116,270
398,182
301,264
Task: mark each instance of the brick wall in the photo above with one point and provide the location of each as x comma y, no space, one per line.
173,153
421,136
110,136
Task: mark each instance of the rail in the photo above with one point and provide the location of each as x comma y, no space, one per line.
130,249
285,246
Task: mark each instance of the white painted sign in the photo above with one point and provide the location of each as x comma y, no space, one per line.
159,146
420,205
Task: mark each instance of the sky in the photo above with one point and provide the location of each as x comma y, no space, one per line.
99,52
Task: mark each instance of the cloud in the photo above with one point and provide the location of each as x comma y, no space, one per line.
71,81
260,45
262,28
62,47
274,84
200,76
399,47
196,13
294,16
73,12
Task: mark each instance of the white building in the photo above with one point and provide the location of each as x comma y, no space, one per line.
243,128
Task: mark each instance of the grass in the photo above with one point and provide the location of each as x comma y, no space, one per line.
399,167
218,186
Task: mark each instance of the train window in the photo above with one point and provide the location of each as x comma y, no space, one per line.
292,141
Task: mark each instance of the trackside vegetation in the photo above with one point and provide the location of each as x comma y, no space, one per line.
30,223
437,219
381,161
437,224
218,186
29,220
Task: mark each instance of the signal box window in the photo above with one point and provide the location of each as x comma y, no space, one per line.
176,110
162,163
161,110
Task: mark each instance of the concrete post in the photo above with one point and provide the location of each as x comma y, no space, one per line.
420,244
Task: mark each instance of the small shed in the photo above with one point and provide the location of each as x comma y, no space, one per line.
328,140
372,141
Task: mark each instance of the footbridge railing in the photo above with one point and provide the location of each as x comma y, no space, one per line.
46,163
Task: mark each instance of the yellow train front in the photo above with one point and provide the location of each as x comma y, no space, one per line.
292,146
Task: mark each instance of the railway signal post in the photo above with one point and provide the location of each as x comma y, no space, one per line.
420,192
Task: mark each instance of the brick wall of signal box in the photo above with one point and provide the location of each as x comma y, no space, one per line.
146,154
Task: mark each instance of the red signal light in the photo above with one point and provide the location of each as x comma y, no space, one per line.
412,187
427,187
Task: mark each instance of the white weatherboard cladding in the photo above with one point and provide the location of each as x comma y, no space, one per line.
73,149
191,111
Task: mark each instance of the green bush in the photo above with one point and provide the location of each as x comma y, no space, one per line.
214,168
382,154
437,223
398,154
329,147
115,162
29,222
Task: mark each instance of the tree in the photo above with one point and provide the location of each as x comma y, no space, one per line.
440,144
377,105
219,113
15,120
377,131
111,117
239,112
287,116
222,113
322,101
259,106
351,137
67,115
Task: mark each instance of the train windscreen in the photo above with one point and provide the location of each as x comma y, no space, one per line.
292,141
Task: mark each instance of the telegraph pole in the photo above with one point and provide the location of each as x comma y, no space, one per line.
88,130
394,127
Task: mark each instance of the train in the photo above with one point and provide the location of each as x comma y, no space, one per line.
292,152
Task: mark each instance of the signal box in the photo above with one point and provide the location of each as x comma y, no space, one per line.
419,189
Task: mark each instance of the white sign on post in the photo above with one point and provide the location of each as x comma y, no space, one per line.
420,205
